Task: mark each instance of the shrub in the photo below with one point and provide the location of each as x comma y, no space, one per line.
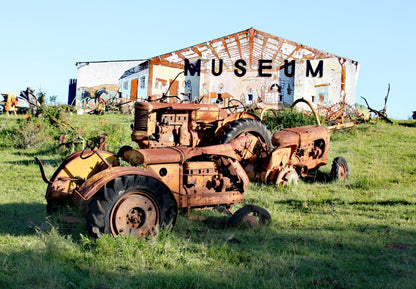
286,118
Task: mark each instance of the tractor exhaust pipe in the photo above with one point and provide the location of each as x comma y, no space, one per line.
42,171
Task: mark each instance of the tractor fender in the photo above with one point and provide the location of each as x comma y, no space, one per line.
92,185
234,117
74,168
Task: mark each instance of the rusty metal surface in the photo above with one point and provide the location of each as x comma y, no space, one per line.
339,115
74,170
243,147
179,124
134,214
199,176
93,184
153,156
297,150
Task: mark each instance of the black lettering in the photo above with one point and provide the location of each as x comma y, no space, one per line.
319,69
213,68
262,66
192,67
292,71
240,70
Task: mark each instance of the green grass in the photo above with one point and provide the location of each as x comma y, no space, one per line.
360,233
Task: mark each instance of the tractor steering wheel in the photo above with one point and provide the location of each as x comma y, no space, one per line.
165,97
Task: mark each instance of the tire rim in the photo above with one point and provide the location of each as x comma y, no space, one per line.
342,171
135,214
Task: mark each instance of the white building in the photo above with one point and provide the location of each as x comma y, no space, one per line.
99,79
250,65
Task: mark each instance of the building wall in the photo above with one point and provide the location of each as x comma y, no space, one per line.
161,78
142,78
99,79
326,90
277,89
264,77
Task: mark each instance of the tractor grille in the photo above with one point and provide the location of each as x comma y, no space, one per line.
140,119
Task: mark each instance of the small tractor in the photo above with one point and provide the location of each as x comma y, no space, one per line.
160,124
190,156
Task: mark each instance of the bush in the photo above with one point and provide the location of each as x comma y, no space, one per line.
31,133
281,119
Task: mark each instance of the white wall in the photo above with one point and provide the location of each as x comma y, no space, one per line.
94,76
98,73
125,85
307,87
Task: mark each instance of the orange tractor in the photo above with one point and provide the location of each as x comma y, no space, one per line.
192,156
159,124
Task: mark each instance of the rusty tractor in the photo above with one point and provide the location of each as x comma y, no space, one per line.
138,199
159,124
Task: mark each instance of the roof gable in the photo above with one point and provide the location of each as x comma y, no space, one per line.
251,45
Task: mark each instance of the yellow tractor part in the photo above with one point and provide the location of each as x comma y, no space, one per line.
75,170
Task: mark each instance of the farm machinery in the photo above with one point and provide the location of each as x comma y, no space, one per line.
190,156
160,124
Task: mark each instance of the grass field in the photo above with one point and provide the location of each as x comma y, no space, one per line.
360,233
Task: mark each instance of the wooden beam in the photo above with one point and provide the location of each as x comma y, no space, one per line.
239,46
164,62
216,55
150,80
194,49
294,50
278,49
226,47
264,46
213,50
251,45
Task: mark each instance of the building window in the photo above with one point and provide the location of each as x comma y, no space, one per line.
143,82
321,93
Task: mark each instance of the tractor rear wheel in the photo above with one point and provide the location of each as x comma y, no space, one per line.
245,125
131,205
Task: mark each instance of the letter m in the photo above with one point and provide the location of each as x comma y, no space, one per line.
319,69
192,67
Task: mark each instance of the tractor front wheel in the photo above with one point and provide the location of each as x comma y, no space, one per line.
251,214
339,170
131,205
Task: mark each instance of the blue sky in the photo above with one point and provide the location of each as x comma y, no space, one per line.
42,40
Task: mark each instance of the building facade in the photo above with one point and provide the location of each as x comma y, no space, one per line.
99,80
250,66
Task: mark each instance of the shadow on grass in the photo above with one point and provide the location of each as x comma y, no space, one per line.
289,258
301,203
331,256
44,156
407,123
32,269
318,177
21,218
